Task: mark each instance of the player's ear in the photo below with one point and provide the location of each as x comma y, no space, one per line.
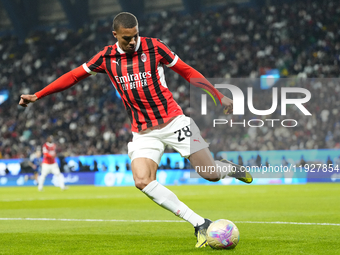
114,34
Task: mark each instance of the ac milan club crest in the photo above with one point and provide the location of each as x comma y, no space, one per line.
143,57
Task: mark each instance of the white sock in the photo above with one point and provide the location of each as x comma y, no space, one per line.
61,181
168,200
223,169
41,181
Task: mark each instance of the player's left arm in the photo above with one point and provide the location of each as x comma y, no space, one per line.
188,72
171,60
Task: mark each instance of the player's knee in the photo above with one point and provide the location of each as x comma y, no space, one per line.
141,183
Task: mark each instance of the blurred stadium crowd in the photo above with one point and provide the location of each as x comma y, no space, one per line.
300,40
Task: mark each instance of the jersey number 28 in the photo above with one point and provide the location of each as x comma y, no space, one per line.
186,133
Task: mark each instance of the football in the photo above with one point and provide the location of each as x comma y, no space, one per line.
223,234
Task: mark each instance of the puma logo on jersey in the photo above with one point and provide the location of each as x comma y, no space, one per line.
117,62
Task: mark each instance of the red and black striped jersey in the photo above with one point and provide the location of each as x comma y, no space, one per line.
139,79
49,152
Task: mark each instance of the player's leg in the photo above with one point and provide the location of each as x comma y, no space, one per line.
145,152
204,164
144,171
56,171
214,170
44,173
184,136
144,174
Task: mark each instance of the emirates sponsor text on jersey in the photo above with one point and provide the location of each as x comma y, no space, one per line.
133,81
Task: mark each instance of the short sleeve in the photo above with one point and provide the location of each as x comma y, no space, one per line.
169,58
95,64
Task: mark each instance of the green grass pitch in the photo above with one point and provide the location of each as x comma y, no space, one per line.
122,215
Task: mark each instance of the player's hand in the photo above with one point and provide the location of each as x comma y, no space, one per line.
26,99
228,105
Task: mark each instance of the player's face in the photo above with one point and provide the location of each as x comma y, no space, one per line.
50,139
38,153
127,38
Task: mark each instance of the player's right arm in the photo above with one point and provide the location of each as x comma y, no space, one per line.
63,82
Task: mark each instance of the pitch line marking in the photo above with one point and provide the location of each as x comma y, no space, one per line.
113,220
68,198
89,220
289,223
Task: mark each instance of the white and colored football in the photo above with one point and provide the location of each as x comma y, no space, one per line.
223,234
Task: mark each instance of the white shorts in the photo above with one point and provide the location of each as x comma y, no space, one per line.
49,169
181,133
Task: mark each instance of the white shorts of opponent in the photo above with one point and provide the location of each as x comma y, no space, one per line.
49,169
181,133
